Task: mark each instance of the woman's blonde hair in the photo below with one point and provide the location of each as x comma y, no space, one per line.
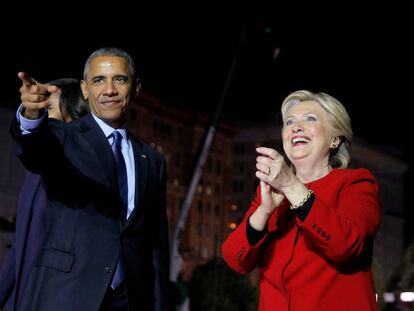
338,118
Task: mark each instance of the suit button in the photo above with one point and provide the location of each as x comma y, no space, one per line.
108,269
328,237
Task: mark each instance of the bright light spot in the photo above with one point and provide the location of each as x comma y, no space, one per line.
199,189
407,296
389,297
232,225
176,183
276,52
233,207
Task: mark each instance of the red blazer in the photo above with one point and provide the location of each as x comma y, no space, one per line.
322,263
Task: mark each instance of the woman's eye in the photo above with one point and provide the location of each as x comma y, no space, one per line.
289,122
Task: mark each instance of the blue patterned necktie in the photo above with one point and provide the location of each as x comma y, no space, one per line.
123,193
121,170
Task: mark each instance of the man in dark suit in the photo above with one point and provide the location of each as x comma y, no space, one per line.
66,104
106,246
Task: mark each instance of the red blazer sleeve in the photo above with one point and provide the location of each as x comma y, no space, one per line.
236,249
345,218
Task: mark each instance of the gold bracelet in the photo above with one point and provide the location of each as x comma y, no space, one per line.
303,201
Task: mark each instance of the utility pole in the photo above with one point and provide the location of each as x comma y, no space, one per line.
175,263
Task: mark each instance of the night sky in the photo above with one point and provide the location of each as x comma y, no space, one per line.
361,56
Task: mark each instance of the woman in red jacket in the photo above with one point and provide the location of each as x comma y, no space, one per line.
311,227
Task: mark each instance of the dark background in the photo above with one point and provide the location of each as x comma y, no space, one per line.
362,56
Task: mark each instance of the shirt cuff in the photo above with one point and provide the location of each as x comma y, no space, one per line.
253,235
28,126
303,211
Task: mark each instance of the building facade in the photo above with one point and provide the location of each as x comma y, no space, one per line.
179,135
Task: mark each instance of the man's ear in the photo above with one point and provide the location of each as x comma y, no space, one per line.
84,88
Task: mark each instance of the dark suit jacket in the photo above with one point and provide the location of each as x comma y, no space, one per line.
30,229
86,233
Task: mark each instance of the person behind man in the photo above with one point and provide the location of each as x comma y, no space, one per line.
311,227
65,104
106,246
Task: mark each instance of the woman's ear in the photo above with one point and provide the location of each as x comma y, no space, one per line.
335,143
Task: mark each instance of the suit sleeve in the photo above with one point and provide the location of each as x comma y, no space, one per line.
8,276
161,250
36,150
344,228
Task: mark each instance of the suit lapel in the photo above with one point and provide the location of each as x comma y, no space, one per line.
92,154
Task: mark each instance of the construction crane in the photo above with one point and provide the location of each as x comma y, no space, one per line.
175,262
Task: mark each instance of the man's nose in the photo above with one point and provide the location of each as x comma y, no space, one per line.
110,89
